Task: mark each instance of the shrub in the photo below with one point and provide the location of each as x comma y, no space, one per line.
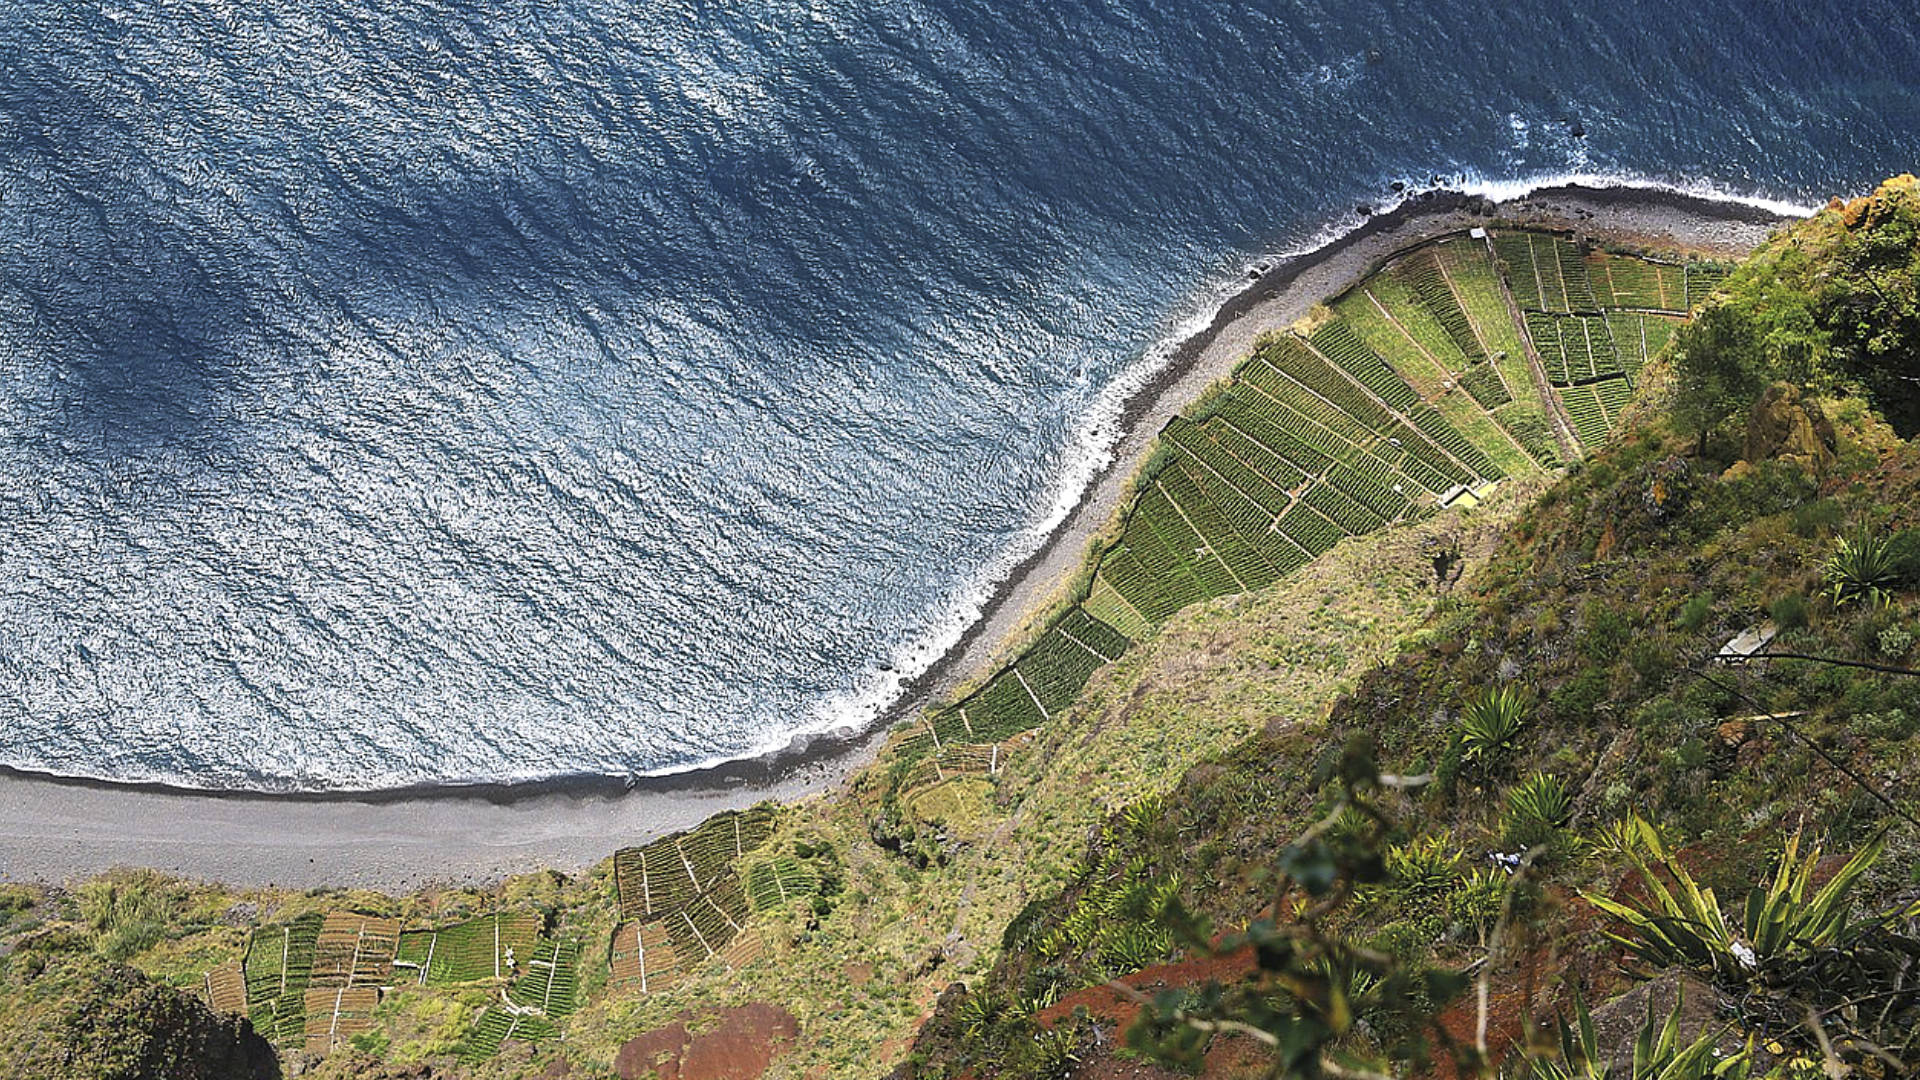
1475,905
1789,612
1904,550
1694,613
1816,518
1895,642
1780,924
1659,1052
1535,809
1490,725
1861,568
125,915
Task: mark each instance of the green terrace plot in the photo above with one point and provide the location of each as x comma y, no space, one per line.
689,883
551,980
1702,279
1468,270
1594,325
471,951
278,968
1585,409
546,991
1622,281
1430,283
778,882
1019,698
1395,323
951,760
1470,273
498,1024
1574,348
1639,337
1545,272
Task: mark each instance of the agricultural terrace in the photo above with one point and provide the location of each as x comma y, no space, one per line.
1461,362
686,898
315,981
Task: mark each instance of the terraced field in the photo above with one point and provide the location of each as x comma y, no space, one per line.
1420,388
1595,318
277,969
484,948
688,887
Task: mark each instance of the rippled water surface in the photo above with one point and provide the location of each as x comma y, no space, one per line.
419,392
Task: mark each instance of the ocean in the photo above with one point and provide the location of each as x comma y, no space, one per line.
427,393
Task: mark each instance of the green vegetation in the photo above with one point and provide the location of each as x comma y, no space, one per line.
1375,416
1490,725
1684,926
1659,1052
1863,568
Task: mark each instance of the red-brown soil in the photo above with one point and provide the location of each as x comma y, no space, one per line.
739,1046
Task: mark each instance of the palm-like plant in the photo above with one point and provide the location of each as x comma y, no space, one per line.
1779,923
1862,568
1491,723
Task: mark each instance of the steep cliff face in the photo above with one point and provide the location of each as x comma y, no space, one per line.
101,1021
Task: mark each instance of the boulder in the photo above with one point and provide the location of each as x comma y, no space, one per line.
1789,426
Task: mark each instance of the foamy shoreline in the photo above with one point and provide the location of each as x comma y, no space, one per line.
57,829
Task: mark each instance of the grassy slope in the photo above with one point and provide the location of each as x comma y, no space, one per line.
866,975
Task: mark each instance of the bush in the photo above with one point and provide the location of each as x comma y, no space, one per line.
1694,613
1426,865
1904,549
1816,518
1789,612
1780,924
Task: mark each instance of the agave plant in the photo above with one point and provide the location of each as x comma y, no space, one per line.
1620,837
1426,865
1536,808
1659,1053
1862,568
1779,923
1490,725
1142,816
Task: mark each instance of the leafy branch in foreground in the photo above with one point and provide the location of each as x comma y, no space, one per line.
1312,984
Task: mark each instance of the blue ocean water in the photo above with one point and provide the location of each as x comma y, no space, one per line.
427,392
